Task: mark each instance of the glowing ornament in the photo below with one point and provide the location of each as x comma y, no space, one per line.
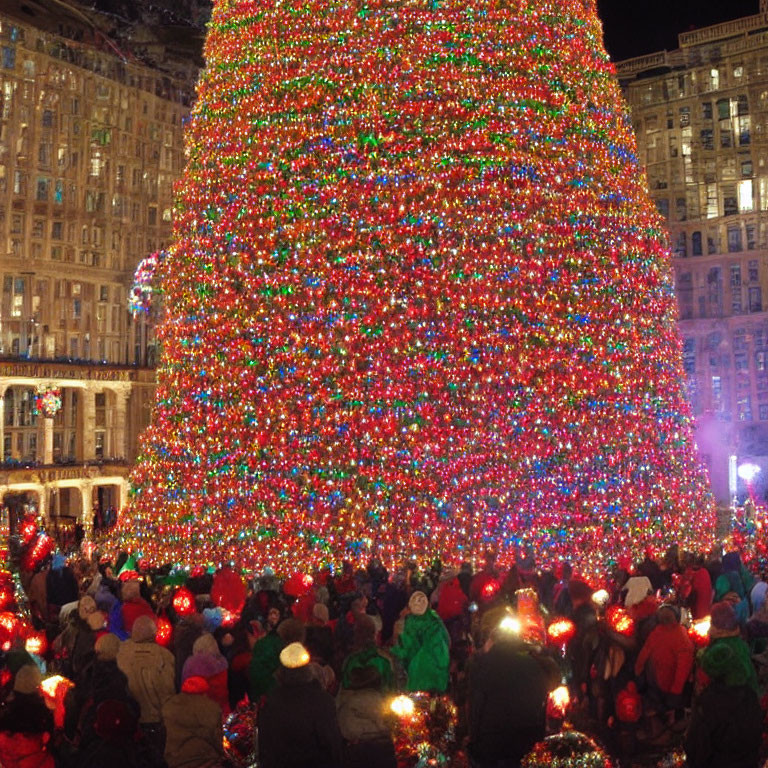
183,602
620,621
164,631
699,632
561,631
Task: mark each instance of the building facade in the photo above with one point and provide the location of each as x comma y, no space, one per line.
701,117
90,145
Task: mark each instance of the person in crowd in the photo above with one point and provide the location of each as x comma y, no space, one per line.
724,631
666,661
298,725
726,722
60,586
26,724
423,647
319,640
149,669
758,594
700,596
365,653
208,663
343,637
508,691
360,707
265,660
117,741
735,584
192,721
134,605
102,680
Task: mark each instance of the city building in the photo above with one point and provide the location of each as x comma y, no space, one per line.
90,145
701,117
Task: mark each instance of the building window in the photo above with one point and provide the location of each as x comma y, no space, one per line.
760,358
707,139
689,356
723,109
42,188
696,243
746,198
751,241
706,110
746,168
735,275
754,273
755,299
663,207
9,57
682,245
76,309
734,239
764,412
745,408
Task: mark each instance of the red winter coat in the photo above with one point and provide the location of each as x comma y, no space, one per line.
669,652
24,750
452,600
132,609
701,593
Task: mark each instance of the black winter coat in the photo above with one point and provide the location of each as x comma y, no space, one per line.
507,703
298,726
726,727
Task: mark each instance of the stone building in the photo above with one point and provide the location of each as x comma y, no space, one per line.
90,145
701,117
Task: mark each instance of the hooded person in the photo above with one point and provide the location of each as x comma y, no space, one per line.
101,681
192,721
423,647
298,726
116,742
26,724
724,632
726,722
149,669
134,605
265,658
60,586
208,662
361,707
735,583
319,640
365,654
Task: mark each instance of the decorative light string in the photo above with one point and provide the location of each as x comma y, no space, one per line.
419,302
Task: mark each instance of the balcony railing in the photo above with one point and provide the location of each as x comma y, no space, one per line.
722,31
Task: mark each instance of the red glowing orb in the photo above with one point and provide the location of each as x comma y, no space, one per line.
183,602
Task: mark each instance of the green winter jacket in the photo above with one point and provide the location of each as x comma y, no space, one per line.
744,670
265,661
368,657
423,648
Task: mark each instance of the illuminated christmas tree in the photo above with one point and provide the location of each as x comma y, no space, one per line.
419,301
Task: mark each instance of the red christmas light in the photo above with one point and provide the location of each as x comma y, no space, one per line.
560,631
620,621
183,602
164,631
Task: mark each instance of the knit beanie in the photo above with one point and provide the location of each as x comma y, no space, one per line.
719,660
27,679
418,603
724,617
638,588
206,643
107,647
320,612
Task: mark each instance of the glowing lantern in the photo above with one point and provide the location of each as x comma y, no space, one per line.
489,590
36,643
620,621
699,632
183,602
298,585
561,631
403,706
28,530
558,702
164,631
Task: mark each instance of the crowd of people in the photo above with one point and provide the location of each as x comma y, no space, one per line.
669,652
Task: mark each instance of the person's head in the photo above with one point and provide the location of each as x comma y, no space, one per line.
96,621
85,606
358,604
418,603
131,590
667,615
320,614
273,617
107,647
580,593
144,630
724,622
292,631
27,679
294,656
206,643
364,632
720,661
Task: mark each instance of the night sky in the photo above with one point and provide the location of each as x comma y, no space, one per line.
637,27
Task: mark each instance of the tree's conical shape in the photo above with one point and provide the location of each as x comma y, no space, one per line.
419,301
